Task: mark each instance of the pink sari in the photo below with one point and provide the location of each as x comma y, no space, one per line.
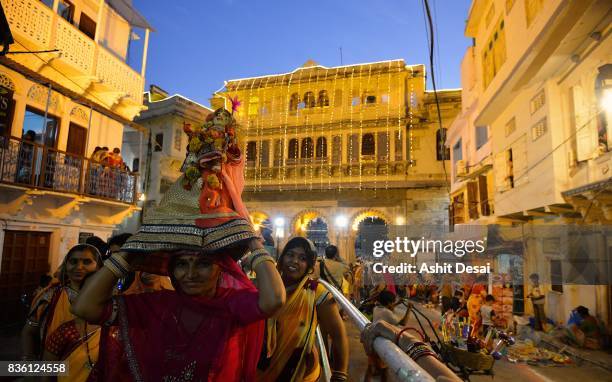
168,336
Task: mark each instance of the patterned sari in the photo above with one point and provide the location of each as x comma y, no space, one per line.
79,350
51,308
289,354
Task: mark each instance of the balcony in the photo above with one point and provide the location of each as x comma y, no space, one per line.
81,65
30,165
323,175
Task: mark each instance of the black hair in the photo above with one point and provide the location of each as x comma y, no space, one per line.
300,242
386,298
44,280
582,311
331,251
119,239
458,293
98,243
534,276
489,298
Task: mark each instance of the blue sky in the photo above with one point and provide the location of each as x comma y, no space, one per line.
199,44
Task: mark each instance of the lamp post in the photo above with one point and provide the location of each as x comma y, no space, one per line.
341,223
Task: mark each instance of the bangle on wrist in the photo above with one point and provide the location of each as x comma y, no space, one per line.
118,266
256,255
261,259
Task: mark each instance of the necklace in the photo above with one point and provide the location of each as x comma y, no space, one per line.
89,364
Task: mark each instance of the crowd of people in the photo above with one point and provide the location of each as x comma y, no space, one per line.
108,174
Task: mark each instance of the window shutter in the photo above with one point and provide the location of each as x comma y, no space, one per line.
519,160
485,208
500,169
585,135
472,189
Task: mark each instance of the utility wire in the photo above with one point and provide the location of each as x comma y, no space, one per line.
435,91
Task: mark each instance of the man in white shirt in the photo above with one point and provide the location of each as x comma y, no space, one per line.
384,311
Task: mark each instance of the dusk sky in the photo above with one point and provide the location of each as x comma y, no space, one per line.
199,44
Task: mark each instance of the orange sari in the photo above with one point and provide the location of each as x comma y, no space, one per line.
290,336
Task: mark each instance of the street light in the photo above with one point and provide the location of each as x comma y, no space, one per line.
606,100
279,232
341,221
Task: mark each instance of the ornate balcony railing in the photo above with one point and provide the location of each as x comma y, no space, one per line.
318,169
29,164
37,27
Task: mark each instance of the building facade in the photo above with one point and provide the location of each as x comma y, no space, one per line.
531,147
66,90
331,151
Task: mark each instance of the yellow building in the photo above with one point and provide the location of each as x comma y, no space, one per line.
532,144
66,88
328,149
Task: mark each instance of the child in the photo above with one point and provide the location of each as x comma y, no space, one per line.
537,300
487,313
384,312
458,304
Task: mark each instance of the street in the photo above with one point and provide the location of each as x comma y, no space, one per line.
504,370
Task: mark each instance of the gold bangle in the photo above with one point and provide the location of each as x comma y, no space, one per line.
260,260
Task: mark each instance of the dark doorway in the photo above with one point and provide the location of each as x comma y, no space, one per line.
25,257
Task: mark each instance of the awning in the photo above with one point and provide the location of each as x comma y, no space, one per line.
127,11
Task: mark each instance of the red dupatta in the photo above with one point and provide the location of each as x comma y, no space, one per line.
168,336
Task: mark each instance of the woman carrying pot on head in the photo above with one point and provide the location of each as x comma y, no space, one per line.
210,328
289,353
51,308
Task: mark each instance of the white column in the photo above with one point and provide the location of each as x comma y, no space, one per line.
144,54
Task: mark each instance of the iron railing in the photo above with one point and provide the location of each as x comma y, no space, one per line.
29,164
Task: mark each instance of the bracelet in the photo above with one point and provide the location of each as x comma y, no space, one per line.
118,266
261,259
33,324
256,254
417,350
339,376
399,335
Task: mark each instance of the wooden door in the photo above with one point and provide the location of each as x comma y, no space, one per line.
25,257
77,137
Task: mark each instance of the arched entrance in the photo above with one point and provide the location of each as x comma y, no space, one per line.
311,225
316,231
369,229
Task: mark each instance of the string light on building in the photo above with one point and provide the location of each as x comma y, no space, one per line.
410,123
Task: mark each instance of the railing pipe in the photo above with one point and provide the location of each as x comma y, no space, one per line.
326,369
403,367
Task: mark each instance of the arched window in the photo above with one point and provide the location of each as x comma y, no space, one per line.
306,150
251,152
368,144
337,149
294,101
309,99
292,153
321,147
323,98
442,152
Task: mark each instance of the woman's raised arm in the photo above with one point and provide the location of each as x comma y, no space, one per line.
96,294
269,283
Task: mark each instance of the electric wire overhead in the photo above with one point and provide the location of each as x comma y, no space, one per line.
431,38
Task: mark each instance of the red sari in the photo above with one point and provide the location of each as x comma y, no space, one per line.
168,336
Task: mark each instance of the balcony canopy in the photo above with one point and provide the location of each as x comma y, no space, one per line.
128,12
